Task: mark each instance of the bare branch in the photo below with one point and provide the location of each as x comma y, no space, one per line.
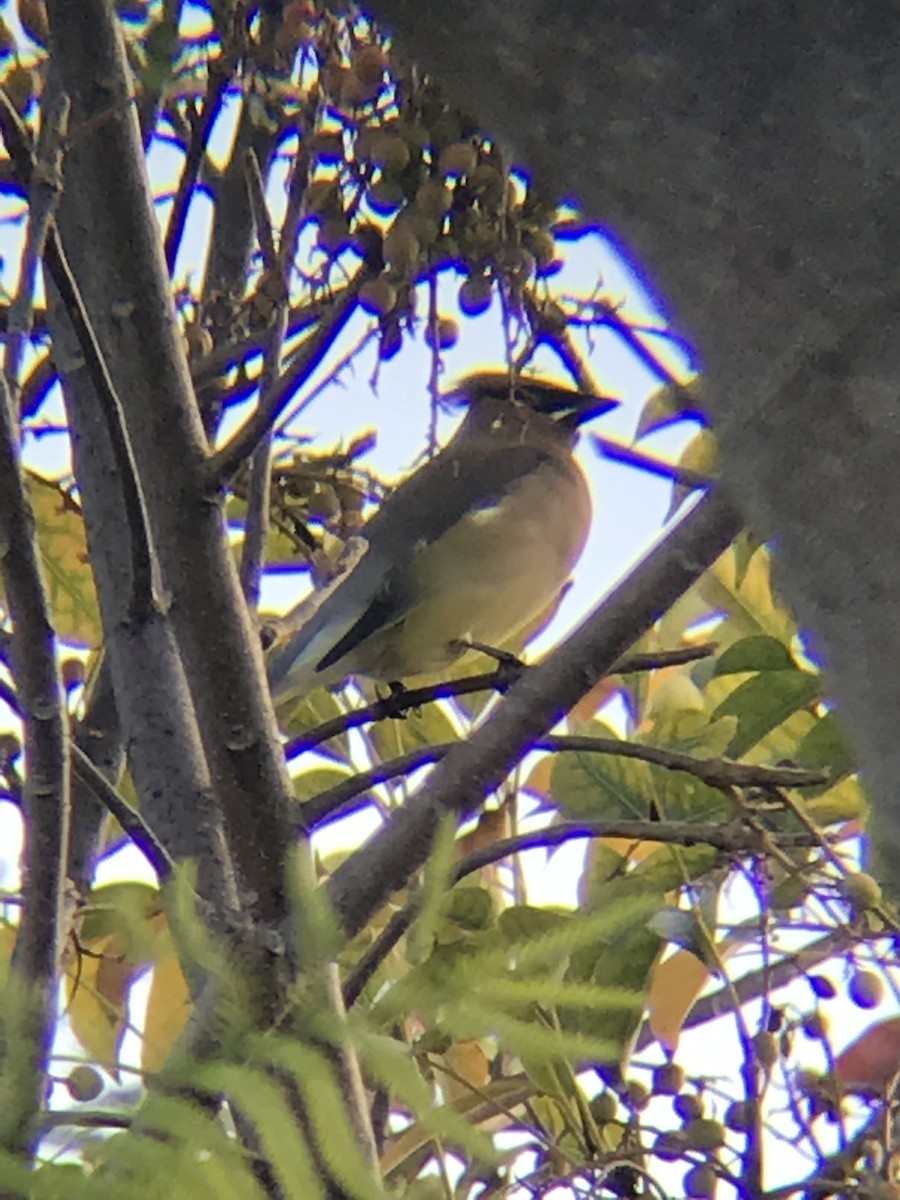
618,452
223,464
39,690
129,818
216,84
342,799
43,196
145,594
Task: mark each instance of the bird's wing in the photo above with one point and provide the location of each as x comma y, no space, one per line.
474,481
382,587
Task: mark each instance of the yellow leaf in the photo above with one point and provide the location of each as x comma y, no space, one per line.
538,781
168,1008
677,982
7,942
675,985
97,993
493,824
700,457
64,555
468,1061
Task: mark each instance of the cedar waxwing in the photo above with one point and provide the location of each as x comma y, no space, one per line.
471,548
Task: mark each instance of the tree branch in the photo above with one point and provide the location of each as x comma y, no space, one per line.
216,83
395,706
342,799
29,1016
129,818
224,462
145,590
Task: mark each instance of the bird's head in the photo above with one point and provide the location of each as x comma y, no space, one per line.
565,406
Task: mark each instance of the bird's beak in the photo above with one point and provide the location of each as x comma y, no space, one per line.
574,409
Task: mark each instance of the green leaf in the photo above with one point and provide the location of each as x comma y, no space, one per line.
667,404
699,457
825,746
468,907
523,921
609,787
756,653
601,785
317,780
846,801
120,908
763,702
745,546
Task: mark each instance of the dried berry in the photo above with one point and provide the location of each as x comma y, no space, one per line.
442,335
765,1047
378,296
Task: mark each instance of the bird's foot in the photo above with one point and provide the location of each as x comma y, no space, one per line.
396,703
509,666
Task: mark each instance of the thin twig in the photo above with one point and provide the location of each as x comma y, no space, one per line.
393,707
129,818
618,452
880,910
257,192
216,83
45,188
222,465
256,523
654,660
341,800
228,355
36,387
723,773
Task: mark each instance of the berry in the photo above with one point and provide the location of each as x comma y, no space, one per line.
668,1080
866,989
700,1182
705,1134
822,987
860,890
765,1047
84,1083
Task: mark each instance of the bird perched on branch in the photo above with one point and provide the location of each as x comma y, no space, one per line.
469,550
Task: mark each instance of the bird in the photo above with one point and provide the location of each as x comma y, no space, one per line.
466,552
